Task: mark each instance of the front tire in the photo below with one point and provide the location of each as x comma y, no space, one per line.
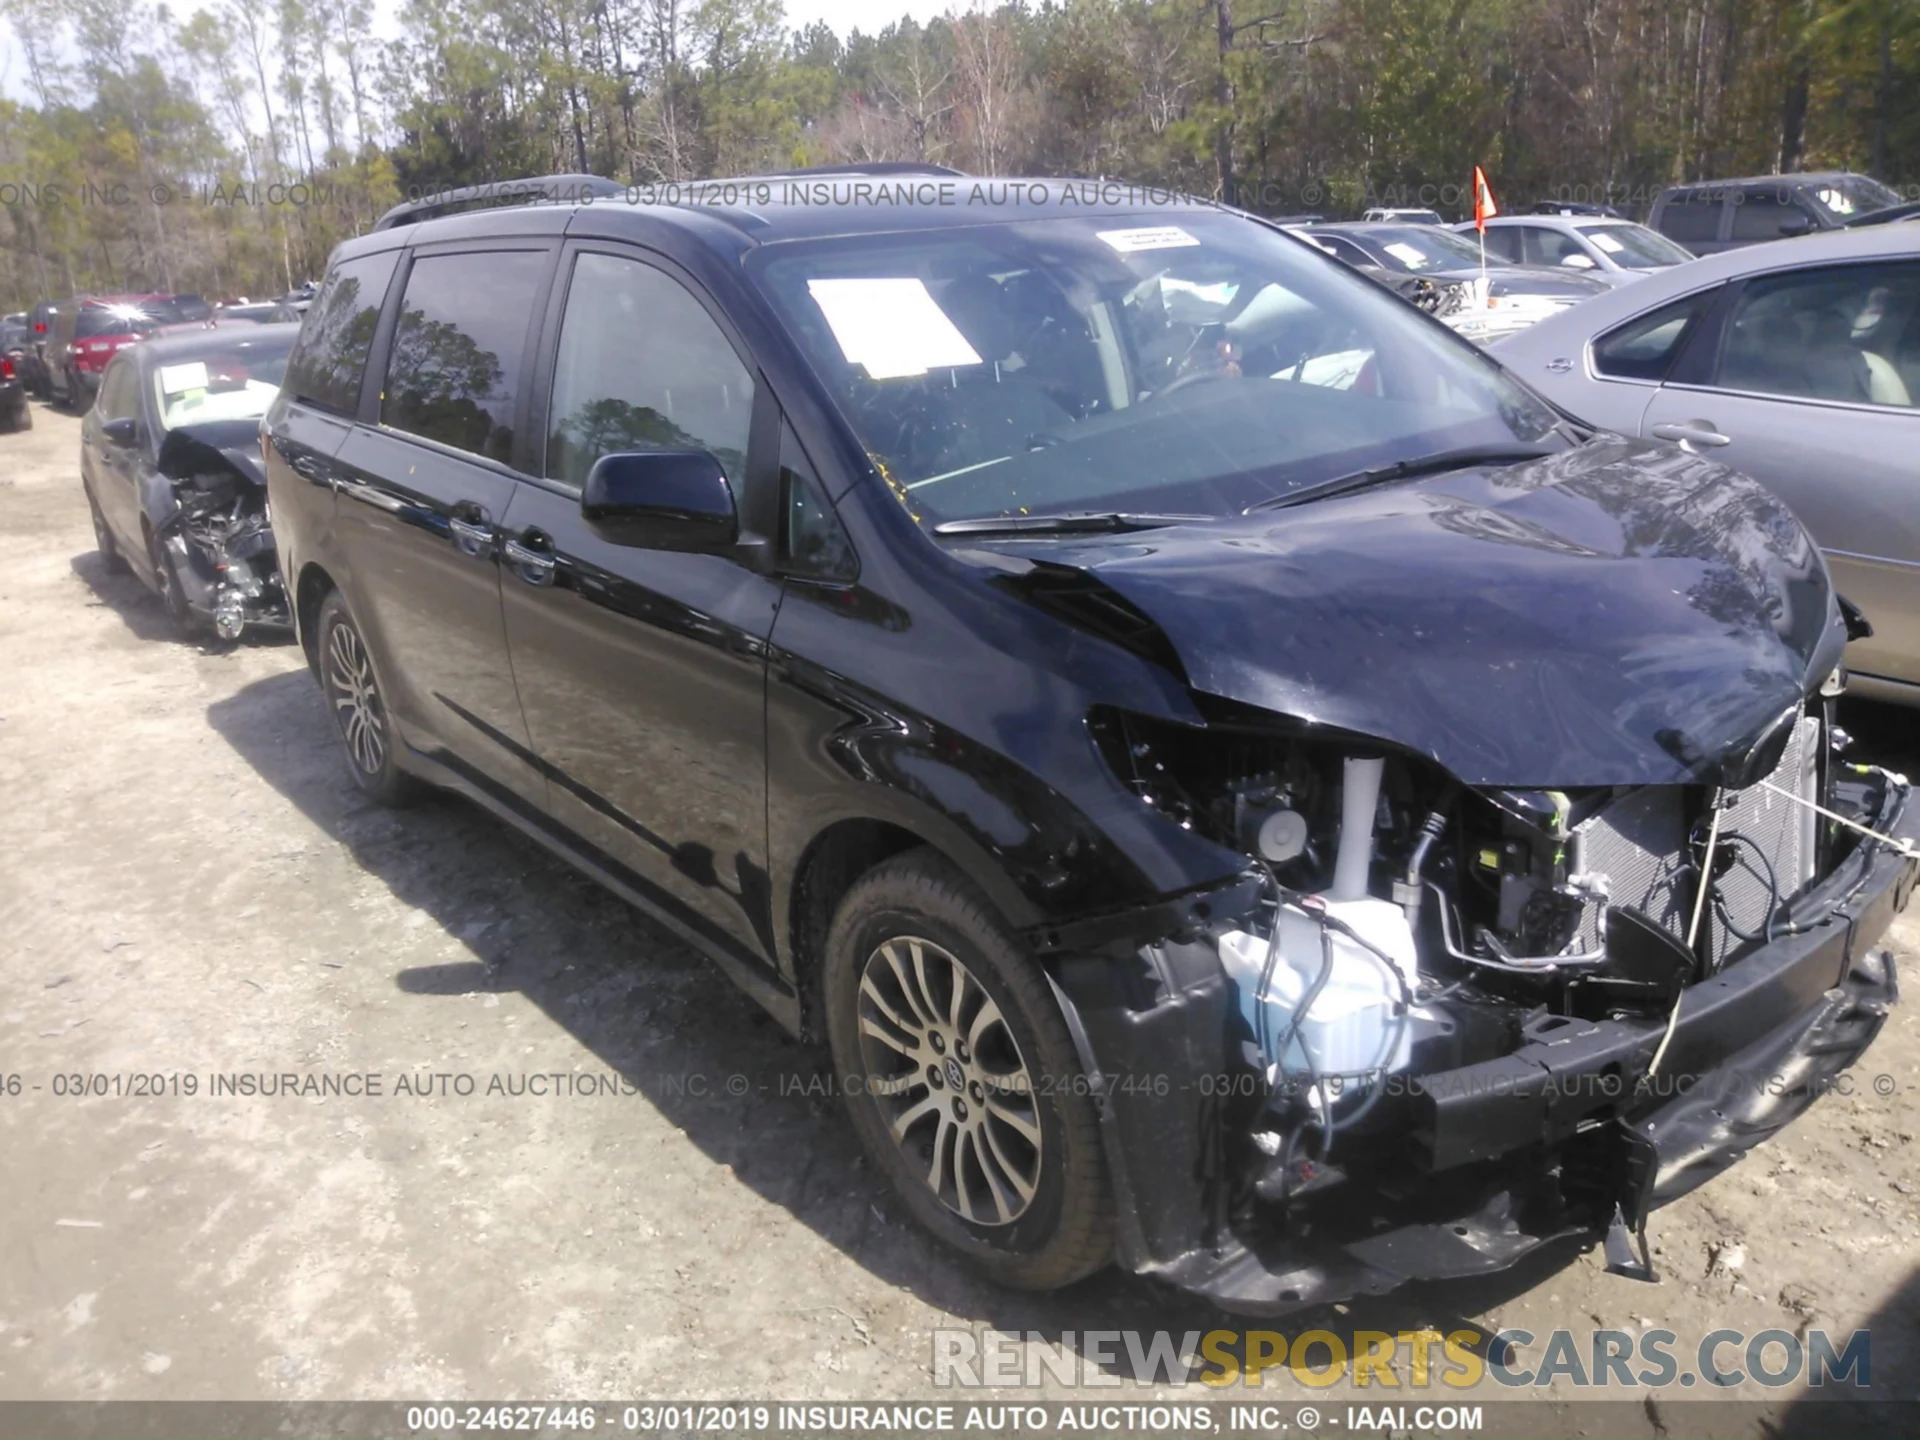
103,540
172,597
960,1076
357,702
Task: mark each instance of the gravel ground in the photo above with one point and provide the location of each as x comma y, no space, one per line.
193,888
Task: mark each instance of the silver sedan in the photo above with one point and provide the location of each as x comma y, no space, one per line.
1797,362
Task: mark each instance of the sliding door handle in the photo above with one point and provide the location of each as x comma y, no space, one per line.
531,557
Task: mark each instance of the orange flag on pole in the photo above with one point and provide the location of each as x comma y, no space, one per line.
1483,207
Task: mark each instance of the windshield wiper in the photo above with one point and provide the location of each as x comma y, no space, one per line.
1109,523
1401,469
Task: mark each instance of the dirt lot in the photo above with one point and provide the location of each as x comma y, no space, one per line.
192,887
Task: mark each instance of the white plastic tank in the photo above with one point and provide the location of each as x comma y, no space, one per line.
1356,1025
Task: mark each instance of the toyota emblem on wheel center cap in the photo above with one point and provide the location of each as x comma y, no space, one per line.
956,1077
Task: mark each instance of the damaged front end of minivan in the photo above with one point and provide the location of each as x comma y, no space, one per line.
207,503
1508,960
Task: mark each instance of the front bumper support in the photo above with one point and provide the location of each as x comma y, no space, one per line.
1501,1144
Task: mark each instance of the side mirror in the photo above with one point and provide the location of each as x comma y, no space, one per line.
124,432
661,500
1578,261
1797,223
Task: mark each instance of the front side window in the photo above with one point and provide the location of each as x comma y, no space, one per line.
1503,243
1848,333
117,392
453,375
331,354
812,542
1765,215
1556,247
1127,364
1645,347
642,366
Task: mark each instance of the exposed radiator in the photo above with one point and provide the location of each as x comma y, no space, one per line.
1637,843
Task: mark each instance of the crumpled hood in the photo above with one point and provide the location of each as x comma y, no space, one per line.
1618,614
212,447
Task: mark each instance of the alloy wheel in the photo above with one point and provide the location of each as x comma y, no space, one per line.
948,1075
356,698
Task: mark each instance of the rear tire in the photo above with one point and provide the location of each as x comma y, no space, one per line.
960,1076
356,699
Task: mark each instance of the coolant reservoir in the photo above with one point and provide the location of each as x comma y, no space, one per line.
1357,1024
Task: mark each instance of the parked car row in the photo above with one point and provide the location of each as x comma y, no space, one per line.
1242,782
1797,362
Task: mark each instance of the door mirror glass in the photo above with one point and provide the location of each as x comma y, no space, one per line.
123,432
661,500
1796,223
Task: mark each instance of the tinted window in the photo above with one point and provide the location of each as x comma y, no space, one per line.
332,351
1844,333
1552,247
1503,243
99,320
118,392
811,540
642,366
1761,214
1692,217
454,372
1644,348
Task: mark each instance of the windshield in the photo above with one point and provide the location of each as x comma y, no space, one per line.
1634,247
237,384
1414,248
1087,365
1853,195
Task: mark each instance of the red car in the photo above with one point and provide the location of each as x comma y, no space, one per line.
90,332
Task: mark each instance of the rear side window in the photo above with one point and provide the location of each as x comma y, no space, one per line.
1692,218
453,374
642,366
1645,347
331,354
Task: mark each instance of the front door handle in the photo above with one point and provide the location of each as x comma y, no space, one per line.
1692,435
472,538
531,557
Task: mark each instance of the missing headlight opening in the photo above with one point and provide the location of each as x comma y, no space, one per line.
1460,997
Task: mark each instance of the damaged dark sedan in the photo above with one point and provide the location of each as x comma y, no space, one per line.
170,463
1242,786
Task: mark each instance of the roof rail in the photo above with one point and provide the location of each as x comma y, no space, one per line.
558,189
878,167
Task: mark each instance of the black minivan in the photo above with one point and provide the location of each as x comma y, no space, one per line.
1241,785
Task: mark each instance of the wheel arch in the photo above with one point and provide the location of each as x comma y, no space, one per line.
310,592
